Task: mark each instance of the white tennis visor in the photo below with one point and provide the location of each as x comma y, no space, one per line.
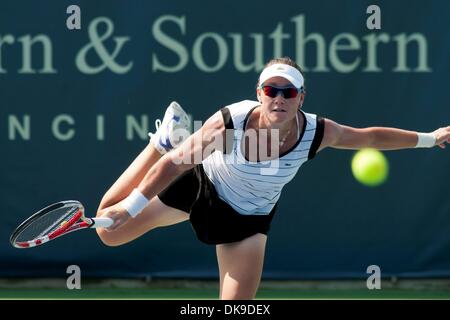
282,70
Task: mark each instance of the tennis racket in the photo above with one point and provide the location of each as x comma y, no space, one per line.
53,222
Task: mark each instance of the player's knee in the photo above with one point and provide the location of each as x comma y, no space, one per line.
108,238
237,292
237,295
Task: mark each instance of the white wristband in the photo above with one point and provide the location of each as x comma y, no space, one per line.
135,203
425,140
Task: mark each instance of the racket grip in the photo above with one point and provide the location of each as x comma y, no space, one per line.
102,222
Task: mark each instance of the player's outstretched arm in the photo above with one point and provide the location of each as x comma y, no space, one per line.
382,138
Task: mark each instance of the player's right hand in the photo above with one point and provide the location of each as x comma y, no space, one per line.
118,214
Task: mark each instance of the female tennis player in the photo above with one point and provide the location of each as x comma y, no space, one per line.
220,180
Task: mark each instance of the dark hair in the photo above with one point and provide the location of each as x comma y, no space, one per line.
289,62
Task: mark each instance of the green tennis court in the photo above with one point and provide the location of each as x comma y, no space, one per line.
212,294
437,289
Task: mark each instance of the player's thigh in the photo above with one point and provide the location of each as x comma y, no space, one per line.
156,214
131,177
240,266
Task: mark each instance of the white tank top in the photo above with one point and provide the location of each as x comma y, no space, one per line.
253,188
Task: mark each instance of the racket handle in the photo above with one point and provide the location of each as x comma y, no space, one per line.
102,222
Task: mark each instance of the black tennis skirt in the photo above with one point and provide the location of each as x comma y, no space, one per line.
213,220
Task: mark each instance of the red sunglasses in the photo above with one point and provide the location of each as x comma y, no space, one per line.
287,93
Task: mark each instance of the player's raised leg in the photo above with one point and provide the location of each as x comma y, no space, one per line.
156,214
240,267
175,120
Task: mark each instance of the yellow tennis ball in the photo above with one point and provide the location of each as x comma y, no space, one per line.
370,167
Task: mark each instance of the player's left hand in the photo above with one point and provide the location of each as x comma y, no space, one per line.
442,136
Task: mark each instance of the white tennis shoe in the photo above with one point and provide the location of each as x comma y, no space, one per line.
173,130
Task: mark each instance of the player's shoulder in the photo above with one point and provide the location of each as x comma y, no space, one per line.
241,106
234,114
311,118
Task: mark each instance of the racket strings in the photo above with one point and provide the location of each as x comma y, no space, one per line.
59,223
47,223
